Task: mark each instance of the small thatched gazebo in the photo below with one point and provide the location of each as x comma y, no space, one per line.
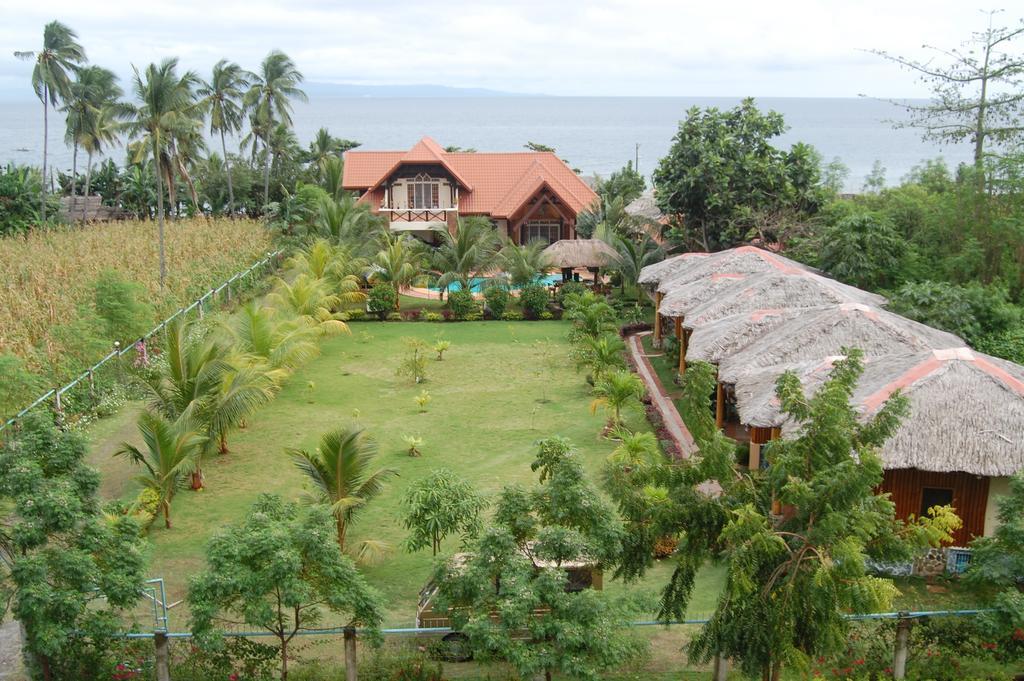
568,254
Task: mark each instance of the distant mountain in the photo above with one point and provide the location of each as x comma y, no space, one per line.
314,89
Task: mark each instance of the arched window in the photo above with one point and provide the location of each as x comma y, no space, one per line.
424,192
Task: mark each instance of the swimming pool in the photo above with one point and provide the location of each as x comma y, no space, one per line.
477,284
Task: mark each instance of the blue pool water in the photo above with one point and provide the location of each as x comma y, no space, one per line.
476,284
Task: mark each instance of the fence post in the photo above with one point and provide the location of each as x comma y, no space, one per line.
92,389
58,408
899,660
350,654
120,363
163,657
199,307
721,669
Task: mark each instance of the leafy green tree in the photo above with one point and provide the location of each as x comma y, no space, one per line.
19,208
382,299
60,55
275,571
512,598
414,364
71,571
341,472
863,249
722,171
164,111
269,99
172,450
221,96
1008,344
625,184
999,560
122,305
616,391
439,505
536,146
971,311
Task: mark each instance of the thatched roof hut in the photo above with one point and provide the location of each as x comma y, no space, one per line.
966,408
744,260
824,332
645,206
568,253
652,275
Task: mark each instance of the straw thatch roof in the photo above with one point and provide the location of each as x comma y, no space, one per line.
825,331
745,260
645,206
652,275
966,408
716,340
579,253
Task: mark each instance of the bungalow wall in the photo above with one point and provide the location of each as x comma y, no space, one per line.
911,489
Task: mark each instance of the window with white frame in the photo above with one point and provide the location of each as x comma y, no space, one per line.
424,192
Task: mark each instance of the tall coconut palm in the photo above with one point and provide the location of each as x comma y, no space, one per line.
341,473
615,392
331,170
323,147
523,263
260,331
171,454
90,103
347,222
217,386
269,99
61,54
165,108
222,97
471,251
104,132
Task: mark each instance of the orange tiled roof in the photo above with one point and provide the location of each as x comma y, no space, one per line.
495,184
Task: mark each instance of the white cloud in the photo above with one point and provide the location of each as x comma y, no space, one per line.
601,47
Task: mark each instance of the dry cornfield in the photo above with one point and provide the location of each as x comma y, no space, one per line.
46,275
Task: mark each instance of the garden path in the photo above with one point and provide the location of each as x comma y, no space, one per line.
669,414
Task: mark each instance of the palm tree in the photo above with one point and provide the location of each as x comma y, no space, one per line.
90,98
261,331
60,55
165,108
324,147
472,250
399,262
333,264
172,450
602,354
590,315
523,263
332,170
104,132
220,388
222,98
616,391
635,450
633,253
311,301
269,99
347,222
340,472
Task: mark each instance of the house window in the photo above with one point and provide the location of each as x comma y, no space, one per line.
548,231
935,496
424,192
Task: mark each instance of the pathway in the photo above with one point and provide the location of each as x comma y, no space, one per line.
659,397
10,652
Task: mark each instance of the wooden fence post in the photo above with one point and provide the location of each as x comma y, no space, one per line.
721,669
120,363
58,408
350,654
92,389
163,657
899,660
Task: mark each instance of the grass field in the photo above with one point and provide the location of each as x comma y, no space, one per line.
47,275
500,387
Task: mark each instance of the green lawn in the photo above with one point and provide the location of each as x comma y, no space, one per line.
500,387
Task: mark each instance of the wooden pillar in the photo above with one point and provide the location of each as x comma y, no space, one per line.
755,456
719,405
899,659
657,318
350,654
162,656
684,343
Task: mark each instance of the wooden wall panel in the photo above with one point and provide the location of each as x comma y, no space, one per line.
970,496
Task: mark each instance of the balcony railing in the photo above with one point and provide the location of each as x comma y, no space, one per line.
419,214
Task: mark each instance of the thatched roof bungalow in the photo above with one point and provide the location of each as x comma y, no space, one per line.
651,276
571,253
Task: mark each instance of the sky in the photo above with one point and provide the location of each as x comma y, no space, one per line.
555,47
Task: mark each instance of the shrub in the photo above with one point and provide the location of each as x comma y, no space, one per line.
122,306
462,304
411,315
497,299
414,364
534,299
390,663
547,314
512,316
146,506
422,400
440,347
382,299
395,317
432,316
413,444
569,288
355,315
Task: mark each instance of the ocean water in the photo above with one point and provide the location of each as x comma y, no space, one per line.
595,134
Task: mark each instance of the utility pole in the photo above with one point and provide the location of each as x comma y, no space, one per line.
636,157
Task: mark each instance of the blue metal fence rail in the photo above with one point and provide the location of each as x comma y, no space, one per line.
56,393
